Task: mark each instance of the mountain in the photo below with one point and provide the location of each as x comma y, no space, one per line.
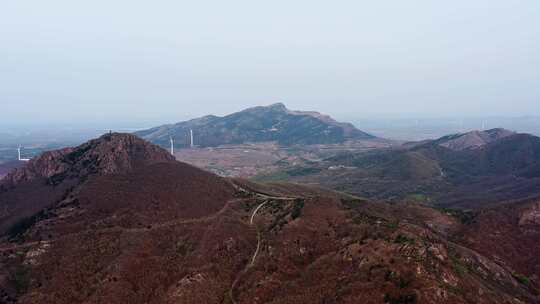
134,226
51,176
467,170
258,124
473,140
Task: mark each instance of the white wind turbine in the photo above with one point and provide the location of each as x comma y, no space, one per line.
19,153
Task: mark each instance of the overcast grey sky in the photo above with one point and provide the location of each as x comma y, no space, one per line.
167,60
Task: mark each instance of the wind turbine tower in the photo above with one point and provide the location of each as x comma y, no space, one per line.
191,138
172,145
19,153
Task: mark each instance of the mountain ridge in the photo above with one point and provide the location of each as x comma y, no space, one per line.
503,166
257,124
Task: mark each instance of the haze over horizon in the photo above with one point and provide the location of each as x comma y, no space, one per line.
66,61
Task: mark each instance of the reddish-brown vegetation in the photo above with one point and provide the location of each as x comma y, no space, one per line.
166,232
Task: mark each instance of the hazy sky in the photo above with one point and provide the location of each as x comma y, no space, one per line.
167,60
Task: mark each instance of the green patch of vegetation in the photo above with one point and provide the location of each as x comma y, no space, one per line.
419,198
393,224
459,267
297,208
523,279
270,177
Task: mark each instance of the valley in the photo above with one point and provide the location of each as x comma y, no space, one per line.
249,160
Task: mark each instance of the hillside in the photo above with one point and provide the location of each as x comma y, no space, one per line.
510,233
151,230
51,176
449,171
258,124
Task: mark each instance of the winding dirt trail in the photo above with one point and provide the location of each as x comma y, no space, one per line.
258,235
266,199
253,258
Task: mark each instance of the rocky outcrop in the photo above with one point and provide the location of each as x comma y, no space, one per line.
111,153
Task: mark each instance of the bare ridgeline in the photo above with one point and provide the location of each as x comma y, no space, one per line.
119,220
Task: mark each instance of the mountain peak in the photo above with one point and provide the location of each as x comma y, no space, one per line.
272,123
473,139
110,153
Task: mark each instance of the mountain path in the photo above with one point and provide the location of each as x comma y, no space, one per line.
267,198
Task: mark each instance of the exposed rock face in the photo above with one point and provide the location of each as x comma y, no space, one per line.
111,153
258,124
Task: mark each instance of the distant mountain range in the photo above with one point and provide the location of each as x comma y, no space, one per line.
468,169
118,220
258,124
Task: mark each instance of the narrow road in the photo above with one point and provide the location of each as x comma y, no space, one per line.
253,258
258,234
255,212
266,198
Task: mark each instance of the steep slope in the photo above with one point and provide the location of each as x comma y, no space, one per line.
509,234
53,175
166,232
258,124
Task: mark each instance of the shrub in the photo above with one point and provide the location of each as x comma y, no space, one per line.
522,278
